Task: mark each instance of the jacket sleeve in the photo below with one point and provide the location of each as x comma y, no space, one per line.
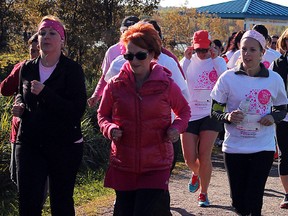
100,86
180,107
105,112
279,112
72,105
217,112
9,86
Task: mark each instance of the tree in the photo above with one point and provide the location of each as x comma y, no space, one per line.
92,25
179,24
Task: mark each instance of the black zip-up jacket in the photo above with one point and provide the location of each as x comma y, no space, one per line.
280,66
53,116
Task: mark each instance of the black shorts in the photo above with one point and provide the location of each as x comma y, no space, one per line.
206,123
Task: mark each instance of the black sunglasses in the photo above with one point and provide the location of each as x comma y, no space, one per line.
139,55
201,50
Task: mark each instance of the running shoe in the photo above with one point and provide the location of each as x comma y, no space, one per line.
194,183
203,200
284,203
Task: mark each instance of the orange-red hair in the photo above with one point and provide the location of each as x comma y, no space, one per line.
144,35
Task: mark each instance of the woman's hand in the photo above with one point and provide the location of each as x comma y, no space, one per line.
173,134
36,87
235,116
92,101
18,109
116,134
188,52
267,120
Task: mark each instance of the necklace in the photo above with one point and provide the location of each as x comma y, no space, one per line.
52,62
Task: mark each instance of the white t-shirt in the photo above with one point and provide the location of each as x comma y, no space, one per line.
229,54
115,67
201,76
45,72
267,59
275,52
263,93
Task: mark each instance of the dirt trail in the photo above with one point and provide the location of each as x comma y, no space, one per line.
185,203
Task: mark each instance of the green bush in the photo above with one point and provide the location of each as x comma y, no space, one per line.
8,192
96,147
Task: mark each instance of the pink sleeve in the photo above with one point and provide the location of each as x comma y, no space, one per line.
9,86
100,87
104,115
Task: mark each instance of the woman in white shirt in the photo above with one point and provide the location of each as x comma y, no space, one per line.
249,143
202,70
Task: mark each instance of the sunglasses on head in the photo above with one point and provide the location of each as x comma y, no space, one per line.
139,55
201,50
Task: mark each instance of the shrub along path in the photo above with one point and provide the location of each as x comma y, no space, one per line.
185,203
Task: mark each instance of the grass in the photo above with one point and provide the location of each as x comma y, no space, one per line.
92,208
89,194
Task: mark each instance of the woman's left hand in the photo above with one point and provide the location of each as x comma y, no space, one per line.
173,134
267,120
36,87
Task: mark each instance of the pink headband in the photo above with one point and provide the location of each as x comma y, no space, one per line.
55,25
255,35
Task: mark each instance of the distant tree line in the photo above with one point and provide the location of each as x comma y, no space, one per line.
93,25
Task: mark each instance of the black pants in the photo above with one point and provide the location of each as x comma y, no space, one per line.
282,140
60,163
142,202
247,174
12,167
176,148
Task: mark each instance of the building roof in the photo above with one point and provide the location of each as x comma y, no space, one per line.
243,9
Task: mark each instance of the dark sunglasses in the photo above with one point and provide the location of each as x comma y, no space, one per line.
139,55
201,50
274,43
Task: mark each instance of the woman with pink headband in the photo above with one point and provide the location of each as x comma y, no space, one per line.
50,103
250,99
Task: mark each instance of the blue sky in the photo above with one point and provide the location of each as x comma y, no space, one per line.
199,3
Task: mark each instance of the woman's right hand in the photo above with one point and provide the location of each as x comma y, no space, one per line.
18,109
236,116
116,134
188,52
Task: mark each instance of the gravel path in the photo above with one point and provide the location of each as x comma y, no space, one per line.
185,203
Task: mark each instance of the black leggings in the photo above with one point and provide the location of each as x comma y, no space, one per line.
176,148
60,163
247,174
142,202
282,140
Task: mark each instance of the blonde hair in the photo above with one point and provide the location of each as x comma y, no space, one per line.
281,44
